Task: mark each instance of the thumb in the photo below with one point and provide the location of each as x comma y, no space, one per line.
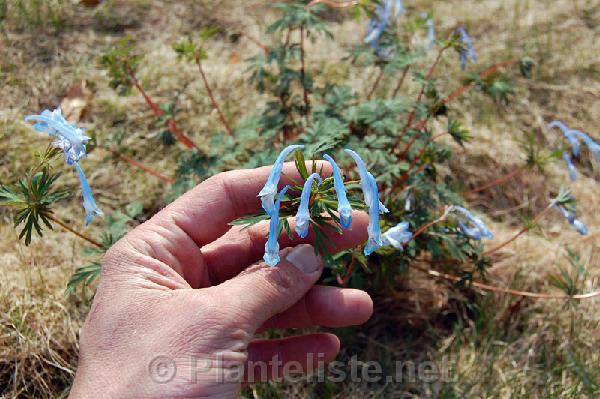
260,292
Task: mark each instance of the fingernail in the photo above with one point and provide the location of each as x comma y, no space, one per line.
304,259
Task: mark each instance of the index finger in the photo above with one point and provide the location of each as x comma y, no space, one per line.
204,213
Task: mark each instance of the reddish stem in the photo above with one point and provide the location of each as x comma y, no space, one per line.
171,124
343,281
264,48
71,230
376,84
401,81
303,73
484,74
137,164
519,234
212,97
496,182
501,290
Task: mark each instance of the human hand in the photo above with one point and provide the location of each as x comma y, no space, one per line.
178,305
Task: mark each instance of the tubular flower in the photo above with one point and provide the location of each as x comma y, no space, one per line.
397,236
271,256
269,191
471,225
571,217
344,208
379,23
430,31
365,177
91,209
303,214
69,138
570,136
467,52
375,241
570,166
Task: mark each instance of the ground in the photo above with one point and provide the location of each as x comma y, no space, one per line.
493,345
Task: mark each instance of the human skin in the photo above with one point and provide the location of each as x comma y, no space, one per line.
182,296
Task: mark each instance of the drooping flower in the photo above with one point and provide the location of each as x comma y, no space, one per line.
571,217
380,21
467,51
471,225
269,191
365,176
271,256
303,214
430,31
397,236
570,166
344,208
68,137
374,230
570,136
91,209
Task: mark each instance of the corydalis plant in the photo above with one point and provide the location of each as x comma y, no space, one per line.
72,141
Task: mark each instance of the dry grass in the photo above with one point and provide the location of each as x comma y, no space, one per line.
495,346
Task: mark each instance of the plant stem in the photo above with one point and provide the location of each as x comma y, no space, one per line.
416,160
429,75
137,164
495,182
343,281
212,97
501,290
78,234
303,75
254,40
376,84
401,81
484,74
171,124
520,233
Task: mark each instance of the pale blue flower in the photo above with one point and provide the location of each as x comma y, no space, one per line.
571,217
467,51
569,135
344,208
68,137
269,191
430,31
570,166
271,256
374,230
380,21
365,176
471,225
303,214
397,236
91,209
593,146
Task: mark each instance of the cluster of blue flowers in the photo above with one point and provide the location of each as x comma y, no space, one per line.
574,138
379,23
395,237
72,141
271,202
469,224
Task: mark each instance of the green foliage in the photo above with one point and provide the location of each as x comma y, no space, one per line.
33,197
121,62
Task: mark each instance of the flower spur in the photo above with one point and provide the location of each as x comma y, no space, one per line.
269,191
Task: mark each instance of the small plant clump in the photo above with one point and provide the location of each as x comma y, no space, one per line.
379,141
